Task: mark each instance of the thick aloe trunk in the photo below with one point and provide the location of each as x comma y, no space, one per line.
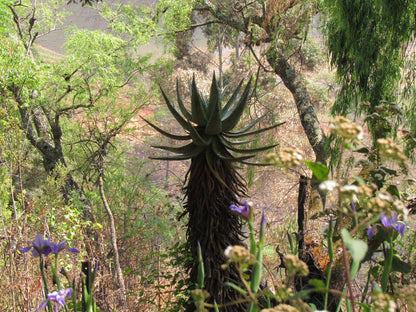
213,224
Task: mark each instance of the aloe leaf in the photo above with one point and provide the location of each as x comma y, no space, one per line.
173,158
197,138
225,142
214,126
176,114
182,107
197,106
219,149
252,150
186,149
240,142
214,95
167,134
194,153
240,134
239,158
232,117
250,163
232,98
251,124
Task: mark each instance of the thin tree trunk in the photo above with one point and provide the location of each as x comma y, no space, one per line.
113,242
220,69
297,86
311,249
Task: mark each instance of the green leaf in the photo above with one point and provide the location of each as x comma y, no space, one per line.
196,151
167,134
197,106
317,283
252,124
175,113
232,117
232,98
400,266
319,170
197,138
358,250
393,190
182,107
364,306
357,247
186,149
214,124
239,134
239,289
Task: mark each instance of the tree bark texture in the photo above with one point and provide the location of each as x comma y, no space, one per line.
212,223
297,86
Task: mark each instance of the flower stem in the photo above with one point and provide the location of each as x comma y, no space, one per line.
331,260
387,266
45,282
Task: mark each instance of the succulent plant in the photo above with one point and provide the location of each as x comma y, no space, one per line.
212,182
209,126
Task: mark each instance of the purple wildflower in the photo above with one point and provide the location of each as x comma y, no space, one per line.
243,210
58,297
387,223
371,231
392,223
39,246
58,247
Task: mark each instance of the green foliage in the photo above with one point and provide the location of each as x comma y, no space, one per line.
17,69
5,17
358,250
369,68
131,20
311,54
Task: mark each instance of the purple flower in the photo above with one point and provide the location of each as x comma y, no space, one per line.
392,223
58,297
39,245
243,210
371,231
58,247
387,223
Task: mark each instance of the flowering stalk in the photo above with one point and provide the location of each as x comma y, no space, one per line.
45,281
253,247
257,267
55,274
201,271
387,266
331,261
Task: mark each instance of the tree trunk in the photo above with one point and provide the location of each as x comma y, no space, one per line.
44,133
113,234
297,86
212,223
311,250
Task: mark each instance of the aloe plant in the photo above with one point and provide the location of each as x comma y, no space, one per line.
212,182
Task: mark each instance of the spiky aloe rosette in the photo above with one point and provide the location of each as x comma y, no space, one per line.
212,182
